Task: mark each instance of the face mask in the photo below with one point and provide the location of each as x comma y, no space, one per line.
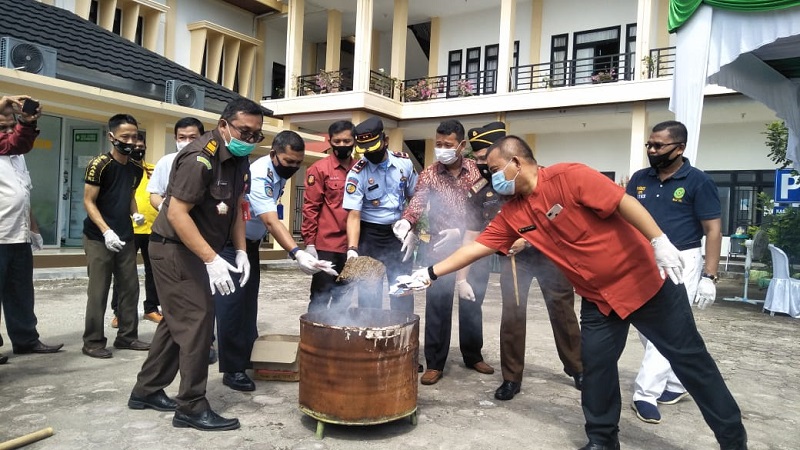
375,157
137,155
445,156
342,151
122,147
501,185
237,147
284,172
181,145
661,161
484,170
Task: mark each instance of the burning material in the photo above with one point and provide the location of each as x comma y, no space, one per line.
362,269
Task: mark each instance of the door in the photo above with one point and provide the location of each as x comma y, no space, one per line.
84,144
43,166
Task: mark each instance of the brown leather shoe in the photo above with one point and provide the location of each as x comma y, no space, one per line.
154,316
482,367
431,377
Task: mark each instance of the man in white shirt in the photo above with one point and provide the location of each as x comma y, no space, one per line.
186,130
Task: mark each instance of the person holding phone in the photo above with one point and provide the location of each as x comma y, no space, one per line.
19,233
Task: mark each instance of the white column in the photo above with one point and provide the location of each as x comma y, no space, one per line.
508,12
294,46
363,50
644,25
399,32
639,134
334,43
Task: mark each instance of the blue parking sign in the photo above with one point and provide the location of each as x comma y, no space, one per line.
787,186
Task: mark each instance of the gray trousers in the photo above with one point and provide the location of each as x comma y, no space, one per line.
101,264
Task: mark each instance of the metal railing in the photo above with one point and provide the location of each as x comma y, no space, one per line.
480,82
661,62
297,220
382,84
324,82
572,72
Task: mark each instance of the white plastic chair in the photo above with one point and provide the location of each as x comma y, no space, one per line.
783,295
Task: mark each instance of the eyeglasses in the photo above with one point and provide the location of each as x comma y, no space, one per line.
252,137
658,146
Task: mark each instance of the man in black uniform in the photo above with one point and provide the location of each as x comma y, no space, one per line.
528,263
202,211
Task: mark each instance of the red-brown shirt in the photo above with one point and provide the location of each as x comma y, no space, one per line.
446,194
606,258
324,219
19,141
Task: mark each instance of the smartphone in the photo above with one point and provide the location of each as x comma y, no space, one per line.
29,106
554,211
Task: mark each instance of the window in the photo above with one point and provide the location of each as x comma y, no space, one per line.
453,72
738,194
474,69
223,55
630,51
558,59
490,68
596,53
135,20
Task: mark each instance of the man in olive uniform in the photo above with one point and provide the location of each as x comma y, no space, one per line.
529,262
202,211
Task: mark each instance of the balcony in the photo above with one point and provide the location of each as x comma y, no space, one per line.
324,82
448,86
660,63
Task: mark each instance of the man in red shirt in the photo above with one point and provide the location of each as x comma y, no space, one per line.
324,220
599,236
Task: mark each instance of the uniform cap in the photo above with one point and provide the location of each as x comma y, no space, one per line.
369,135
485,136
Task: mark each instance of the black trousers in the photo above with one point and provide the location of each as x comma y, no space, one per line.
325,291
667,321
379,242
141,242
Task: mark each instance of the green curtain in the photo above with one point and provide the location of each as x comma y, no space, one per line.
681,10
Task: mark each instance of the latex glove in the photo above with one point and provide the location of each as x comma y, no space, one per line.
308,264
219,276
401,229
421,275
409,243
352,254
668,259
327,267
138,219
312,250
37,243
465,291
706,293
243,264
449,237
113,241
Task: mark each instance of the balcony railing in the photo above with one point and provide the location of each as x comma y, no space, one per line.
572,72
382,84
661,62
448,86
325,82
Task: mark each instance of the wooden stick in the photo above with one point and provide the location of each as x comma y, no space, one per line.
514,273
27,439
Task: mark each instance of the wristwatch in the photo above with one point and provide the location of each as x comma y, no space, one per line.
713,278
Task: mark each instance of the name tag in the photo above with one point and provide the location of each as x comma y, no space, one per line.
373,187
526,229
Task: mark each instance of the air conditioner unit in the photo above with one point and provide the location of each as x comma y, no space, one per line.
27,56
185,94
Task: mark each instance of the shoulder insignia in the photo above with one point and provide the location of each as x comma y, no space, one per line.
269,175
359,166
401,155
310,180
479,185
204,161
211,147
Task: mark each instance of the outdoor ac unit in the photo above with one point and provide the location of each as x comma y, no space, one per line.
27,56
185,94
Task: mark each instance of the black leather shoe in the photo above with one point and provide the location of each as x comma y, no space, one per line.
3,359
507,390
101,352
207,420
238,381
595,446
132,345
38,347
157,400
578,381
420,369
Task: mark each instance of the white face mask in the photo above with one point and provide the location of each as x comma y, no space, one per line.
181,145
445,155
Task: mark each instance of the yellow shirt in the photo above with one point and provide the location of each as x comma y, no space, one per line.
143,202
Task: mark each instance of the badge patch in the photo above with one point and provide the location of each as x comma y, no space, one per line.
211,147
310,180
204,161
679,193
222,208
269,175
353,180
350,188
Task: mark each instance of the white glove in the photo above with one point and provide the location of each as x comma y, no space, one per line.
465,291
668,259
409,243
113,242
706,293
219,276
37,243
450,237
352,254
243,264
401,229
312,250
327,267
160,205
308,264
421,276
138,219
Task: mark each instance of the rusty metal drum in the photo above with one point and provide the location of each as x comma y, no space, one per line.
358,367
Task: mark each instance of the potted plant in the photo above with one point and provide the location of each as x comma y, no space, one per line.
604,76
649,65
422,90
464,87
328,81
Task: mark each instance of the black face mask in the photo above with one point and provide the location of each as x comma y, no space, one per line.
122,147
137,155
661,161
376,157
484,170
284,172
342,151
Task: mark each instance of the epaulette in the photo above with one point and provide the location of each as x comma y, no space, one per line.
210,147
479,185
359,166
401,155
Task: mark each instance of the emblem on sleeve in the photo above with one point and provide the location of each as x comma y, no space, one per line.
204,161
268,190
350,188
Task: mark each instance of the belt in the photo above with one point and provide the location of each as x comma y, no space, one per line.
376,226
155,237
688,246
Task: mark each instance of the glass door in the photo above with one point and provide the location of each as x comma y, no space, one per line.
85,143
43,165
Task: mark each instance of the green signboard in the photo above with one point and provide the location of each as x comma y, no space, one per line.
85,137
